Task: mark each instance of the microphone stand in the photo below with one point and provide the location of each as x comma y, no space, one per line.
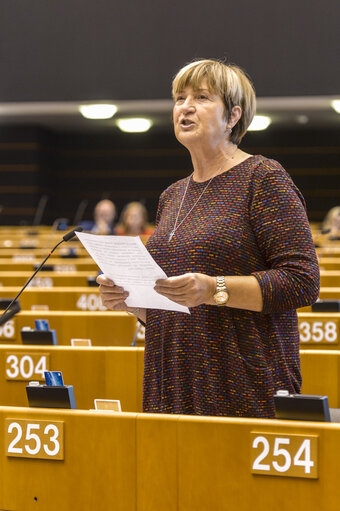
8,314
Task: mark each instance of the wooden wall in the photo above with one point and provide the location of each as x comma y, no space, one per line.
70,167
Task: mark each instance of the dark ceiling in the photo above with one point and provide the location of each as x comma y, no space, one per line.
71,50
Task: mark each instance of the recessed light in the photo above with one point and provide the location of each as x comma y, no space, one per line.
336,105
260,122
134,125
302,119
98,111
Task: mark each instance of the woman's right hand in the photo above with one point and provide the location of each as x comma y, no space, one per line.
112,296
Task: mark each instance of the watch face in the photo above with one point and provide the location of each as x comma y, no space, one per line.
221,297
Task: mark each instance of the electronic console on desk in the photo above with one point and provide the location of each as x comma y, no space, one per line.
301,407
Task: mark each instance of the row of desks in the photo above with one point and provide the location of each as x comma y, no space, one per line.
25,262
110,328
41,253
117,328
58,264
117,373
85,298
142,462
49,278
78,278
96,372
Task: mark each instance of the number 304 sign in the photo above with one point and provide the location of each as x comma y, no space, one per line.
284,455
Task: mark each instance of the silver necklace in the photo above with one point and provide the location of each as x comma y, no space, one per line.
190,210
199,198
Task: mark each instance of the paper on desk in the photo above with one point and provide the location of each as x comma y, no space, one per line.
126,261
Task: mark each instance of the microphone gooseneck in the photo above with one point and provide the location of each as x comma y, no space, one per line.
8,315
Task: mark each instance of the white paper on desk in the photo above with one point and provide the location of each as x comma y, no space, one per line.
126,261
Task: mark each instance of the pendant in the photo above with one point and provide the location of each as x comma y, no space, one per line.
171,235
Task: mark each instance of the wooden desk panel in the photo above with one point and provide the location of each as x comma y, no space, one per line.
330,293
320,374
98,472
104,373
41,253
330,278
57,298
46,279
214,467
329,263
329,250
95,370
164,463
60,264
103,328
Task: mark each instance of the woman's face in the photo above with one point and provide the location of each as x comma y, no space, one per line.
199,117
134,218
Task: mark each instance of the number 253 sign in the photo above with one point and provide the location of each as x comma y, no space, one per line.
284,455
34,439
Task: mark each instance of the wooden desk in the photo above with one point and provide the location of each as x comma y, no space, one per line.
104,373
106,328
57,298
59,264
41,253
329,250
320,373
330,278
46,278
329,263
330,293
18,240
141,462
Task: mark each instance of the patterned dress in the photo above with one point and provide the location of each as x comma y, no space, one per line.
222,361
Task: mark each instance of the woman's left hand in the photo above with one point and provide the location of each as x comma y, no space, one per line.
190,289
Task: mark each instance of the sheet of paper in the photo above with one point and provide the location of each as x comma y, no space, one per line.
126,261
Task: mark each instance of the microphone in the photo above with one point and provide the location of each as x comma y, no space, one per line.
8,314
40,210
80,211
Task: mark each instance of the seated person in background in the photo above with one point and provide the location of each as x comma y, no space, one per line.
331,223
134,221
104,215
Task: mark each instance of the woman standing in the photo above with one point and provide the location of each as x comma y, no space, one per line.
234,239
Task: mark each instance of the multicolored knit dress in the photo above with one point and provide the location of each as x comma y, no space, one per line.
221,361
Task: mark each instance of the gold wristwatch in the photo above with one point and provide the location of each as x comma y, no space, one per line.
221,295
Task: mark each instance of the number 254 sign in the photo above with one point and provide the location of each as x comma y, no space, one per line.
284,455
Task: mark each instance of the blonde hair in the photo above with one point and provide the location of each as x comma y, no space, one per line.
229,81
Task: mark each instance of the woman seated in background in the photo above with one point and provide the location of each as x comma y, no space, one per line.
331,224
134,221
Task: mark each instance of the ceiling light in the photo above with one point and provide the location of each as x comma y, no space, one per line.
136,125
260,122
336,105
302,119
99,111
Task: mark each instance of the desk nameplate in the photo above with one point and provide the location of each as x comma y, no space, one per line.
7,331
288,455
319,331
38,439
26,366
